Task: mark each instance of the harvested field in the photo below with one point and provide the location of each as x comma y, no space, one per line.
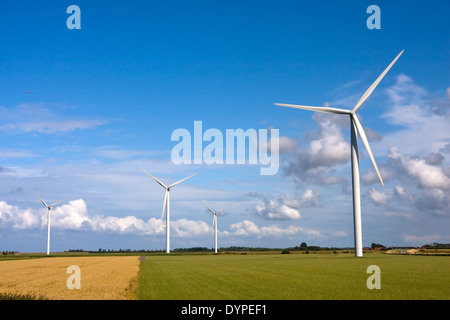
102,278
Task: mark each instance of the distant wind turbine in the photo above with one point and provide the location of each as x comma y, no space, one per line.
355,127
49,207
215,213
166,205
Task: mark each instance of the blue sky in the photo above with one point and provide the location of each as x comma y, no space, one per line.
105,100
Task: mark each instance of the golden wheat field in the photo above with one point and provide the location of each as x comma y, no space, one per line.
101,278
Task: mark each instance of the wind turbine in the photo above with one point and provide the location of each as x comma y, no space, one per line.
355,128
166,205
215,213
49,207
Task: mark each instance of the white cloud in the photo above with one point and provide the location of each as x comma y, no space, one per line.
401,192
53,126
405,90
249,228
74,216
427,175
423,121
327,149
42,119
283,208
9,153
13,216
188,228
285,144
422,239
331,147
379,197
371,177
425,186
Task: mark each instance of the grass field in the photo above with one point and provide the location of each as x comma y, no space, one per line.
292,277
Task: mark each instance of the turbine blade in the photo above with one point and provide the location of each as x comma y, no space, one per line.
162,184
375,84
207,207
224,208
214,221
164,205
43,202
174,184
362,134
319,109
53,204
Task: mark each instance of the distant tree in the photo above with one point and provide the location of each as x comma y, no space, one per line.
303,246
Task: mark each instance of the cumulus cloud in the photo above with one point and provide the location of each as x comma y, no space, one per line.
16,218
405,90
327,148
425,183
423,119
424,173
434,159
371,177
379,197
283,208
400,192
189,228
249,228
286,144
416,160
74,216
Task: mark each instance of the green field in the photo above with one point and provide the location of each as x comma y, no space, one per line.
292,277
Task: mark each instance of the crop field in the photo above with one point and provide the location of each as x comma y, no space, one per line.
46,278
292,277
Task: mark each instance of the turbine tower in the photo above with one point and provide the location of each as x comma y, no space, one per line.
166,205
49,207
215,213
355,128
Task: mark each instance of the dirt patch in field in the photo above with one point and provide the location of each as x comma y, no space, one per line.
101,278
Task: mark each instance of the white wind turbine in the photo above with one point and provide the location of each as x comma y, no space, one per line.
355,128
49,207
215,213
166,205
